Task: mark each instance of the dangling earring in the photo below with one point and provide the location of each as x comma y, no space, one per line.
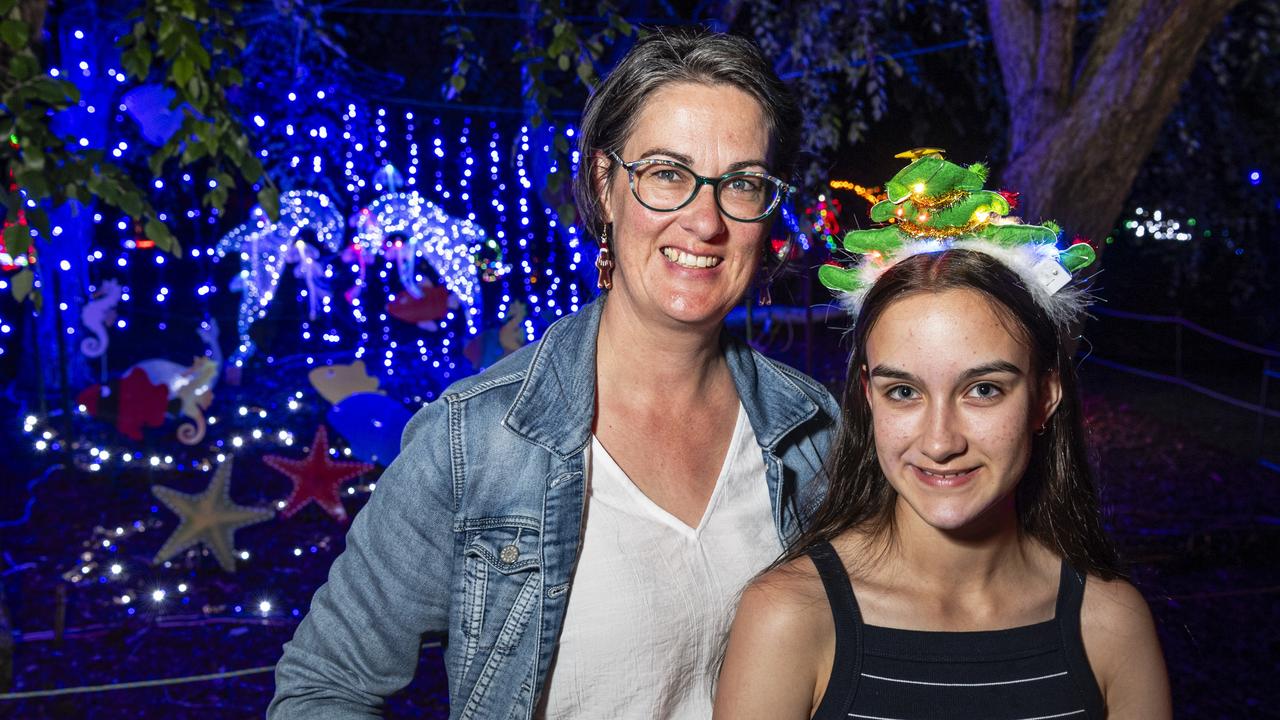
766,298
604,262
766,295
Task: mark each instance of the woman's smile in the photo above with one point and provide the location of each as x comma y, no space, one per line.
944,478
690,260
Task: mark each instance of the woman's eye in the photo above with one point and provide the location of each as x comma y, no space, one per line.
901,392
669,175
985,391
745,185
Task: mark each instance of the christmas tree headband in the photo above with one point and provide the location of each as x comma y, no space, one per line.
934,205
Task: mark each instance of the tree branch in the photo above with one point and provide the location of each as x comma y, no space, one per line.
1054,63
1035,50
1013,33
1080,163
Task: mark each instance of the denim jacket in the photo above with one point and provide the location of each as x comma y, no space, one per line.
473,530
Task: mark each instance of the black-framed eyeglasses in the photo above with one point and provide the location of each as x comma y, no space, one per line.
666,186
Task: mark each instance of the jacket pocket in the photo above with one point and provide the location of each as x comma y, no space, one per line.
499,560
502,589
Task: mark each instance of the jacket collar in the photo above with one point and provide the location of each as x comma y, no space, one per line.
555,407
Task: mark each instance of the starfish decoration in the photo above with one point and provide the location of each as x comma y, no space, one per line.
316,478
209,517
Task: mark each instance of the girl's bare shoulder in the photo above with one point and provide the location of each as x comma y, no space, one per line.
788,602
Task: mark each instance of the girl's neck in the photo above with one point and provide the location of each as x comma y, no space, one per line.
979,556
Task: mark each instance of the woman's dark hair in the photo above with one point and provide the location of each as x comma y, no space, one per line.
692,55
1057,499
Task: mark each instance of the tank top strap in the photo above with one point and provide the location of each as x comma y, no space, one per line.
846,668
1067,614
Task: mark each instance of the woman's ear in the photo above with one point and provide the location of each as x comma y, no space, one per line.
601,165
1050,396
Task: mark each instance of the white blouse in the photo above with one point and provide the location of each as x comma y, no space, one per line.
652,598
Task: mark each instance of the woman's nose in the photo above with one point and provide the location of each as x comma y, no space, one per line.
943,437
702,216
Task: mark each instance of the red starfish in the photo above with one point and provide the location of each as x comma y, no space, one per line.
316,478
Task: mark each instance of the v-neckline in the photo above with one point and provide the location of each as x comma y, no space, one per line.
658,512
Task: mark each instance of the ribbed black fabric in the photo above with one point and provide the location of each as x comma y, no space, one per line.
1034,672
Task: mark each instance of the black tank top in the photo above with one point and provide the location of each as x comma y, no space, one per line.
1034,672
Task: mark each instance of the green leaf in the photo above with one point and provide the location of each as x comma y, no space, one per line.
21,284
230,77
159,233
15,33
563,62
7,5
33,157
269,199
619,22
137,61
458,82
51,91
39,220
37,300
33,181
131,201
182,71
250,168
24,66
17,240
200,56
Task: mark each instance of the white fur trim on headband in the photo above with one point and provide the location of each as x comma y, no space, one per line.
1037,265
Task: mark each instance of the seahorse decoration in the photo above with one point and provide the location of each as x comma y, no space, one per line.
266,247
189,386
933,203
97,316
403,226
148,391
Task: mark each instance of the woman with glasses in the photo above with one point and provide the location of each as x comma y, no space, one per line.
578,520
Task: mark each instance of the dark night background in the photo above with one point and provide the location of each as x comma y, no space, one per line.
1180,363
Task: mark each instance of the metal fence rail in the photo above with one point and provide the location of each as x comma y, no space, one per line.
1270,358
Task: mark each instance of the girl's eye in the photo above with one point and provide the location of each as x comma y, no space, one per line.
985,391
901,392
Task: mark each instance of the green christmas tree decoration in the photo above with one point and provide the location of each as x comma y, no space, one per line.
935,199
1077,257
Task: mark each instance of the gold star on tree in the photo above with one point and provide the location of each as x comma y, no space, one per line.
209,517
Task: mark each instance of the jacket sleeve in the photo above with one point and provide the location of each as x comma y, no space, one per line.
360,640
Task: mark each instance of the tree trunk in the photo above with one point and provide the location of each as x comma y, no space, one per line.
1077,143
59,331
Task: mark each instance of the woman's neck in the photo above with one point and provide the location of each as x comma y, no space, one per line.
652,360
974,558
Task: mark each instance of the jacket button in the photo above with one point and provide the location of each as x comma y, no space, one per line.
509,554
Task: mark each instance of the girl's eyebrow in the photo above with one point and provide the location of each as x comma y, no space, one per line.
997,366
892,373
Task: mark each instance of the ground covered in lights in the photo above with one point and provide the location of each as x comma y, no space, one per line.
1197,522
